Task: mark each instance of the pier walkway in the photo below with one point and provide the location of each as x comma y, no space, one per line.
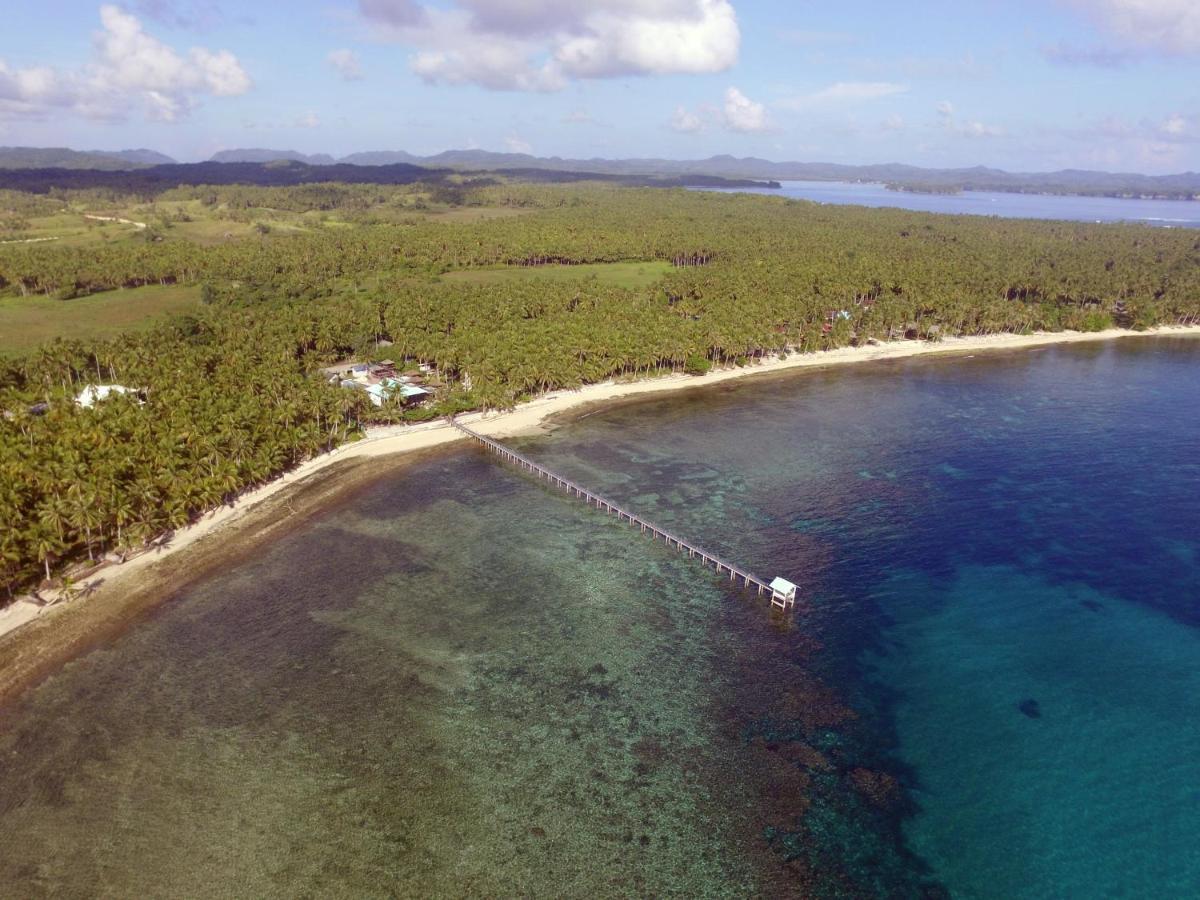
782,600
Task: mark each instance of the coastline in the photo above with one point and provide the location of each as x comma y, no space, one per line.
35,641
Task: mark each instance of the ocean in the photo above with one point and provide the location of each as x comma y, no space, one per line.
457,682
1161,213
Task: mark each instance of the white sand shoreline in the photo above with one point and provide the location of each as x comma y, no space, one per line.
530,418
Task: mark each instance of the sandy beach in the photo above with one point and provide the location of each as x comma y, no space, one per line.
35,640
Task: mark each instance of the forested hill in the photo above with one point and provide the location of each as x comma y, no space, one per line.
153,180
396,166
63,158
1183,186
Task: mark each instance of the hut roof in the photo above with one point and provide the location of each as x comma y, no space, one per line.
783,586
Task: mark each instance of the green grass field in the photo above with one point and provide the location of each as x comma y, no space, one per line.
625,274
26,322
474,213
72,229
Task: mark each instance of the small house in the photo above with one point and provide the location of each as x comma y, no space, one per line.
783,593
377,393
410,393
94,393
378,381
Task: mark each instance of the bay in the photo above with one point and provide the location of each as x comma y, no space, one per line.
458,683
1162,213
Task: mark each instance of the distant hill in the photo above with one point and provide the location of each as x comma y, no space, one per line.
980,178
260,155
141,156
380,158
323,167
151,180
64,158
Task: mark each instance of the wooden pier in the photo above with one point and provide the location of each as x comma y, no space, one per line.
784,599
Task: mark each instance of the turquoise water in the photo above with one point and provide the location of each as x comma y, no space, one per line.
457,683
1052,733
1163,213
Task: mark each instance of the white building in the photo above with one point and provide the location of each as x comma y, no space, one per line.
783,593
94,393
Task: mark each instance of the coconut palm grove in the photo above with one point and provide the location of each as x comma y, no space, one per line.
290,280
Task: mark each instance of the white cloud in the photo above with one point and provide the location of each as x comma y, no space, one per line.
308,120
893,123
685,122
978,130
517,145
128,66
346,63
453,53
1175,125
737,112
579,117
1153,146
394,13
970,128
743,114
845,92
130,59
1168,26
541,45
1120,135
1174,129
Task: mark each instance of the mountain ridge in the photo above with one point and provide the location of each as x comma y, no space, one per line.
1183,185
901,176
66,158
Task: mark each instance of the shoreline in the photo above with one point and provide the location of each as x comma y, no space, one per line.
36,640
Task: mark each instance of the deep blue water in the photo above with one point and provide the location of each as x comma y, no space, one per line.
1165,213
457,683
1003,557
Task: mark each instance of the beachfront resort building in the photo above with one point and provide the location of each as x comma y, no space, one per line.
379,381
94,393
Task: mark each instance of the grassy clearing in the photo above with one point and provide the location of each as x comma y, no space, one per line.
206,232
26,322
624,274
475,213
72,229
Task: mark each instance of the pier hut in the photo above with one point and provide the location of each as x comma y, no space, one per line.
783,593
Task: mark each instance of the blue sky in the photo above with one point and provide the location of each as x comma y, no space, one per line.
1110,84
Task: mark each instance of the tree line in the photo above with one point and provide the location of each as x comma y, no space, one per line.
230,396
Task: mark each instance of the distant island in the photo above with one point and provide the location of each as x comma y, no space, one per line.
733,171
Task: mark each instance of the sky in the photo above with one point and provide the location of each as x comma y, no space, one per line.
1025,86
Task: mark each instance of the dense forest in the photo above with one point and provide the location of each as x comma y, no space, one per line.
230,396
150,181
